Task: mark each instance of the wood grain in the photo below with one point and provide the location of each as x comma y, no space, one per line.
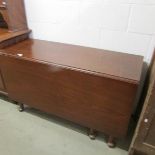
75,83
115,65
1,82
100,103
16,15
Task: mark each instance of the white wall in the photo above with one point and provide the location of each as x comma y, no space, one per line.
119,25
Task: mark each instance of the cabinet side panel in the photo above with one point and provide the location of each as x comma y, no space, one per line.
1,83
16,13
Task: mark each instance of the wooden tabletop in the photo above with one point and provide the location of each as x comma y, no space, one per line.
116,65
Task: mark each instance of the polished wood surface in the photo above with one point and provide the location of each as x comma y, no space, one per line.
13,26
114,65
96,102
92,87
10,38
1,82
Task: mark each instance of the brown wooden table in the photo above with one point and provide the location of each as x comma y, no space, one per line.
92,87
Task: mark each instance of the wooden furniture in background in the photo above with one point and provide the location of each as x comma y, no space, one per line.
144,138
92,87
13,27
13,24
13,12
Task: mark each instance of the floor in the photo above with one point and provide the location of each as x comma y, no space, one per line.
34,133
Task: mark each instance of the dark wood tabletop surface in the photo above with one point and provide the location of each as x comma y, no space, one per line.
107,63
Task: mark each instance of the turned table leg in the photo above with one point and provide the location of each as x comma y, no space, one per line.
20,107
111,142
92,134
